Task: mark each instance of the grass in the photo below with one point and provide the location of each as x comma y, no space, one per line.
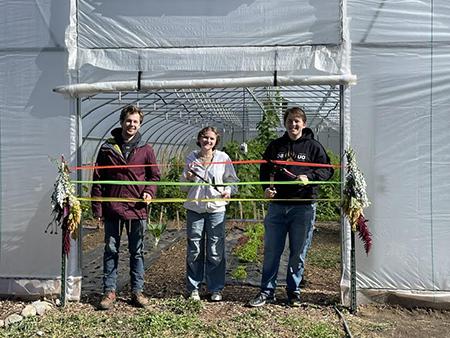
170,318
309,329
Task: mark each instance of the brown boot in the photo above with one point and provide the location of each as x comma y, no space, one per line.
139,300
108,300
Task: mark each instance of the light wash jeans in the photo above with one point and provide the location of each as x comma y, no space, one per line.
205,256
135,233
295,221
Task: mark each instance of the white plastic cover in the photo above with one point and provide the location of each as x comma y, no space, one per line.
201,38
399,128
34,127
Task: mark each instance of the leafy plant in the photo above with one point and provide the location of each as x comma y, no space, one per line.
249,251
330,210
86,209
256,147
156,230
171,173
240,273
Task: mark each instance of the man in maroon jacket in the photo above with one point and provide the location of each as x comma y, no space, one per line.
124,148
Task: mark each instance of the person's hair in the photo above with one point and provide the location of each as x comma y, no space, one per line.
295,111
130,109
202,133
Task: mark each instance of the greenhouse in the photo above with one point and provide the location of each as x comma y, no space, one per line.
371,75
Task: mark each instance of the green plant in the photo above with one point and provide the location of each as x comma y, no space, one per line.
156,230
86,210
256,147
171,173
240,273
309,329
330,210
181,306
249,251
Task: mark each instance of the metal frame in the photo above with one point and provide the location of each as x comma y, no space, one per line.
173,117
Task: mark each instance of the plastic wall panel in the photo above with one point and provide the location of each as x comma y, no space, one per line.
403,22
32,23
178,23
399,124
34,124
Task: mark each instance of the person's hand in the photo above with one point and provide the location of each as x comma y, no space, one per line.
190,176
226,194
147,197
303,178
270,192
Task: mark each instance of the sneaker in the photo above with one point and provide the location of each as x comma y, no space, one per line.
108,300
194,295
261,299
216,296
139,300
294,299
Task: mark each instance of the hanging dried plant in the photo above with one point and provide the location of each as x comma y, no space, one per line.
66,208
355,200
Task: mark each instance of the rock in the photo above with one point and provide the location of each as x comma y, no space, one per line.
14,318
29,311
2,323
40,333
41,307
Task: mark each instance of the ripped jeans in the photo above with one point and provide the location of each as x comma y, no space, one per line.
205,256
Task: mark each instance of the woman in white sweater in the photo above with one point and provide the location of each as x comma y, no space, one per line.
205,255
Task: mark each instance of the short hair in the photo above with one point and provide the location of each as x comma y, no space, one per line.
296,111
130,109
202,133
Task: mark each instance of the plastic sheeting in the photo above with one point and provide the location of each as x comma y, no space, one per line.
399,128
203,37
34,125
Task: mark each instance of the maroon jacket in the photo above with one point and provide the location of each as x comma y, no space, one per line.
110,154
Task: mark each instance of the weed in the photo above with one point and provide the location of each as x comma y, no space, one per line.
249,251
183,306
308,329
240,273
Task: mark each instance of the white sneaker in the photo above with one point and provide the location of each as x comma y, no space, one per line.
194,295
216,296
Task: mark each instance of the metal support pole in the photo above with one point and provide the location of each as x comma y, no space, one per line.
63,271
353,304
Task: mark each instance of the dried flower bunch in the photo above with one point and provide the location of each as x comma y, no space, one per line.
355,200
66,208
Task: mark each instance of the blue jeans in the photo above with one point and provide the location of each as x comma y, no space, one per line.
135,233
205,256
295,221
